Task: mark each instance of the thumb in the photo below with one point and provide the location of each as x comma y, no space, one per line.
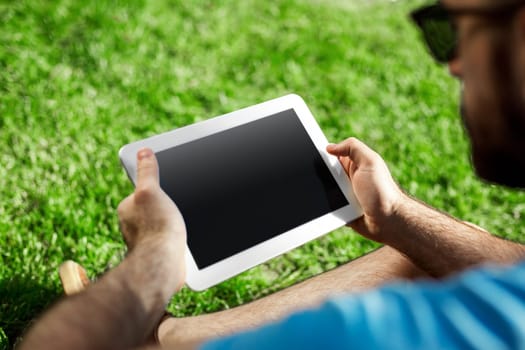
353,148
147,169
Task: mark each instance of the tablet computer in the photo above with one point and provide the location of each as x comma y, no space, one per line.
251,185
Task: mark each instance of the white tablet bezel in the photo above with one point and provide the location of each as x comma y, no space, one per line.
200,279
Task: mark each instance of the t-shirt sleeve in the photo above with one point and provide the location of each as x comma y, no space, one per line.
483,309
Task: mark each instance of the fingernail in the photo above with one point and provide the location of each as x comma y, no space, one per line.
144,153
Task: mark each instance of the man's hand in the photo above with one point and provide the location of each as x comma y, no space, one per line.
434,241
373,186
123,308
148,213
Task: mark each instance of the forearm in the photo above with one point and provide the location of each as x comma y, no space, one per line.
118,311
441,244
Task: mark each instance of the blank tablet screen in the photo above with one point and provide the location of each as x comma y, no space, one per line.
248,184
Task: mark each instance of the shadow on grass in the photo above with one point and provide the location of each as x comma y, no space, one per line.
21,301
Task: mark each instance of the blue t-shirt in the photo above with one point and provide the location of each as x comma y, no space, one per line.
482,309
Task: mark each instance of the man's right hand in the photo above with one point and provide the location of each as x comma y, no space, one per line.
373,186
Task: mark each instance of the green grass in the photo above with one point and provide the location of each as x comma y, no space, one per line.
79,80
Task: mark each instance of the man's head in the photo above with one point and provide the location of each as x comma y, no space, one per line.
489,58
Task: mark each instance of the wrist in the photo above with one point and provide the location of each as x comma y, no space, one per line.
162,256
389,226
167,240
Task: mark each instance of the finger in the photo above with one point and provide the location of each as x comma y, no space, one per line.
353,148
123,207
358,225
345,163
147,169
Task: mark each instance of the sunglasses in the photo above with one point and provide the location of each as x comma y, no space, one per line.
439,32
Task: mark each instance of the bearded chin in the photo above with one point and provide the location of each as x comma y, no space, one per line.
504,163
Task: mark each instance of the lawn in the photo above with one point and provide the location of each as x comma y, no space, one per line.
80,79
